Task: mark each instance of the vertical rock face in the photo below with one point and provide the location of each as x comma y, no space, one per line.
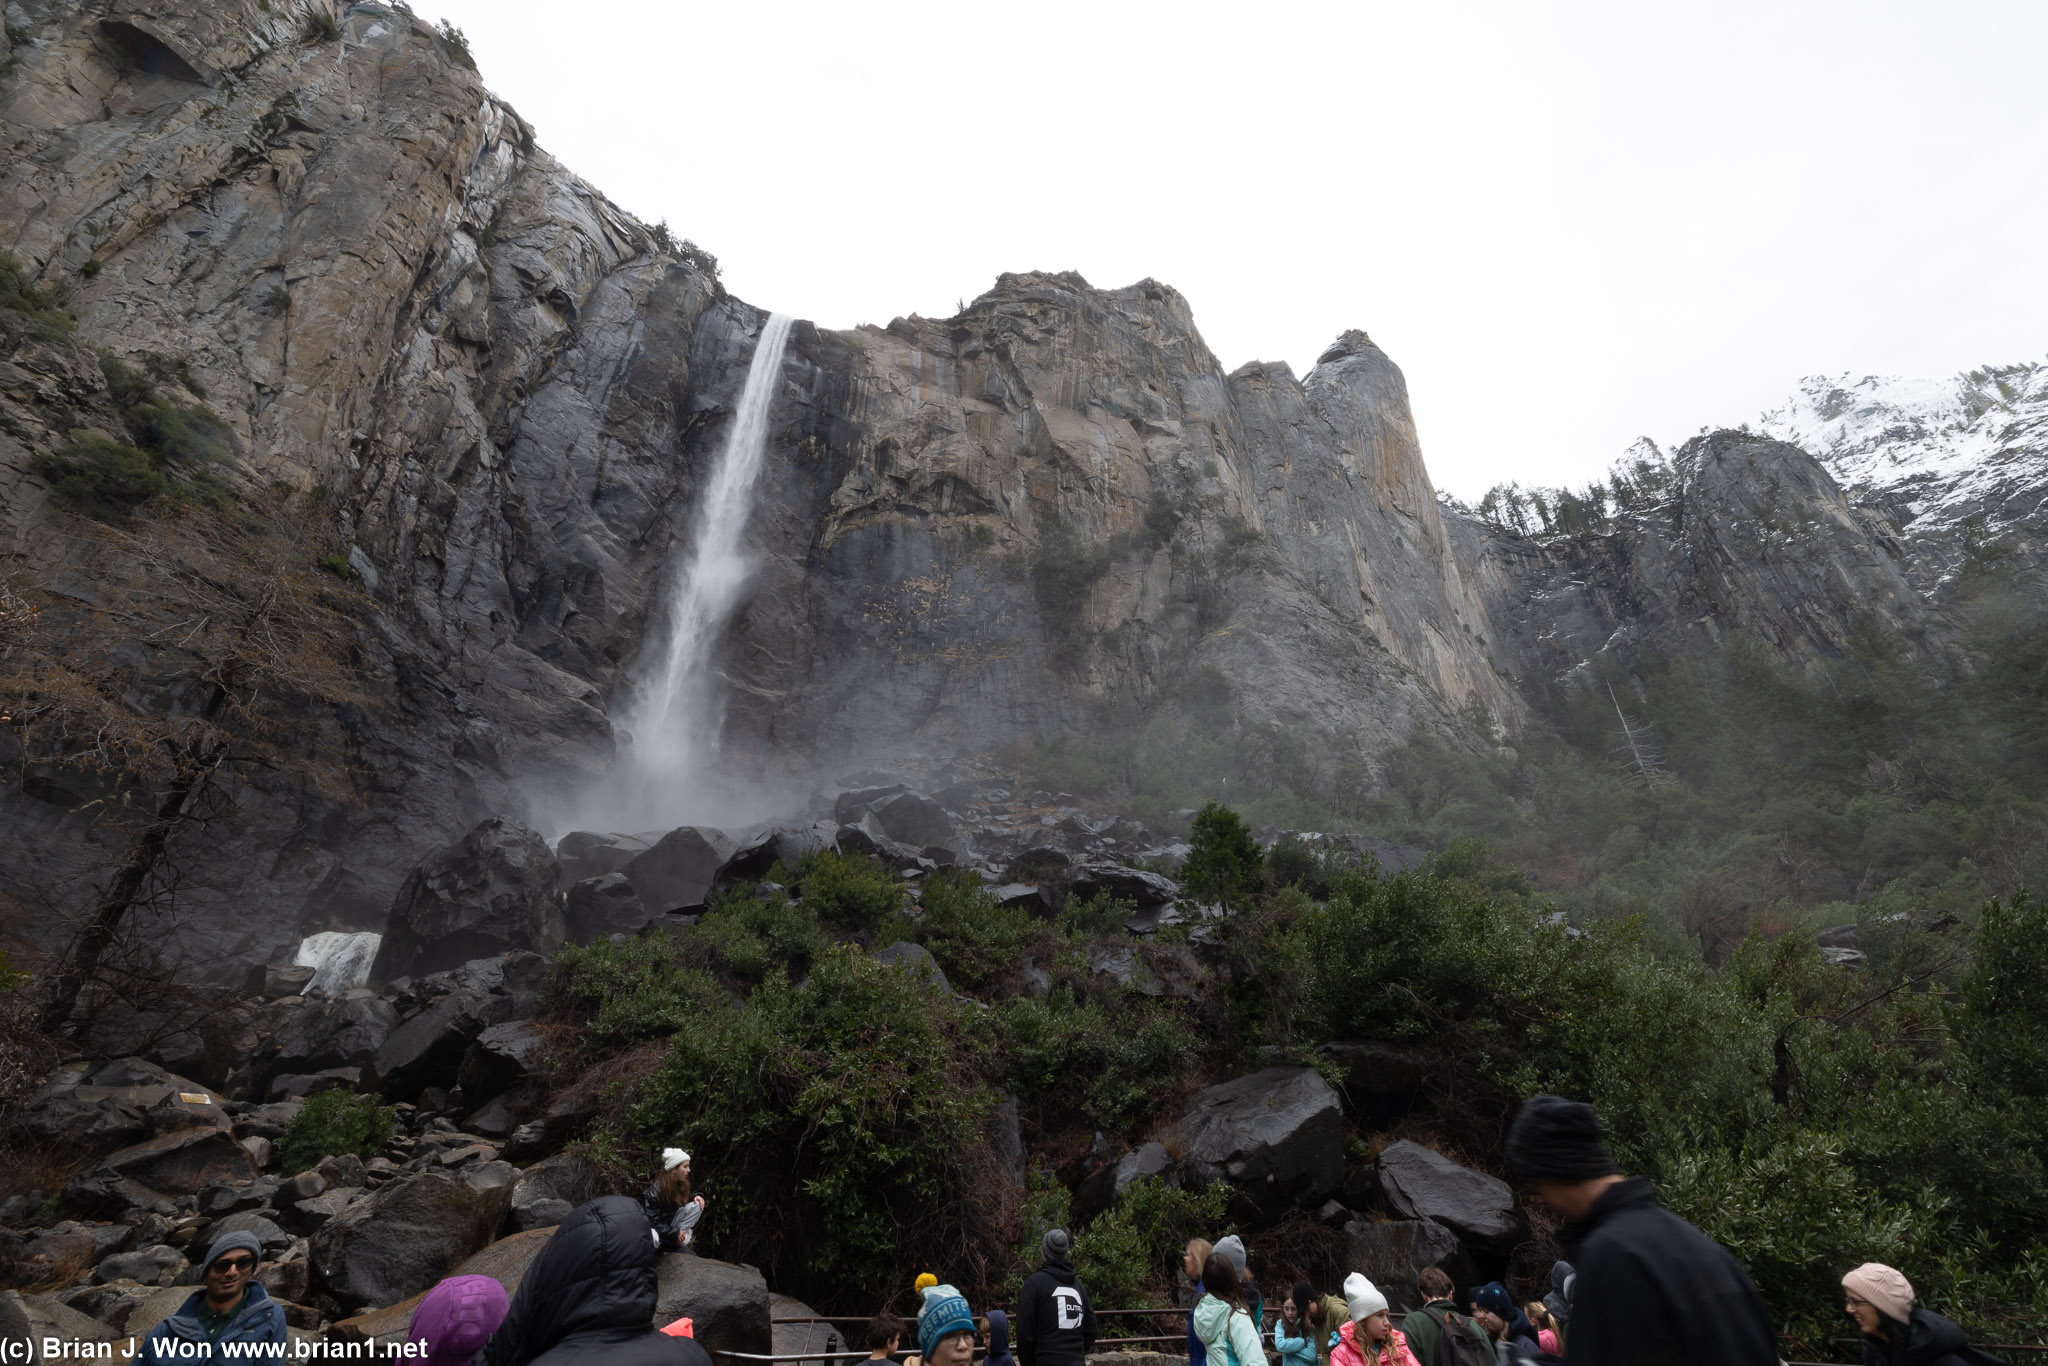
1056,505
1051,513
1753,542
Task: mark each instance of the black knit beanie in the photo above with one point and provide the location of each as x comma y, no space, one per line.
1555,1139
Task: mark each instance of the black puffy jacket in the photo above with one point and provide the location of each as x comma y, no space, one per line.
1931,1340
1652,1290
1055,1322
589,1298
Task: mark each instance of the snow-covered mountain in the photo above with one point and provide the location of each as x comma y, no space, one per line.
1936,455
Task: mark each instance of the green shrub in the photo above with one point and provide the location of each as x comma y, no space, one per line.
638,989
2002,1012
90,269
1112,1062
852,891
749,935
1128,1255
335,564
1402,954
1224,863
836,1128
1103,913
41,310
330,1124
458,45
975,941
181,432
95,477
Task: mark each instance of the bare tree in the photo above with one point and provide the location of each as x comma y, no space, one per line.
1636,750
164,655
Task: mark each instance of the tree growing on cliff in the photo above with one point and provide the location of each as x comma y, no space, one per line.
158,659
1224,861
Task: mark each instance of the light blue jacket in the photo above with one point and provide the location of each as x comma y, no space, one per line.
1294,1351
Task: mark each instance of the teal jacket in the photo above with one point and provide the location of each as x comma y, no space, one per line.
1294,1351
260,1320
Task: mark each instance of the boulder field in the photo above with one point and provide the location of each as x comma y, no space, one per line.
484,1158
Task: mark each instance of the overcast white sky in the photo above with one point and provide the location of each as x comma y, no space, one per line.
1571,224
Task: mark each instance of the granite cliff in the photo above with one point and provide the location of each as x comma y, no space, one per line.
1052,514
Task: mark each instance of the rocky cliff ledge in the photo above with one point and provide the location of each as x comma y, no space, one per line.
1054,514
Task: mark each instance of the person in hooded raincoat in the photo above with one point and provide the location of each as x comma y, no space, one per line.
998,1352
588,1299
1496,1311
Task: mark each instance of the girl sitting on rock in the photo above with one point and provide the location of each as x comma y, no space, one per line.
670,1207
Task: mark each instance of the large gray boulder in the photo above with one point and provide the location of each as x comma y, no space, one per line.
1393,1255
1419,1183
915,959
319,1034
428,1046
910,818
1378,1077
498,1057
28,1322
678,873
157,1265
1099,1192
491,892
1135,885
728,1303
182,1162
600,907
59,1114
404,1237
585,854
1276,1135
547,1191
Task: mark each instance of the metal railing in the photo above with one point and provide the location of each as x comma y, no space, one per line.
1849,1346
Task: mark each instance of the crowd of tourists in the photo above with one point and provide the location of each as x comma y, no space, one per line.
1639,1287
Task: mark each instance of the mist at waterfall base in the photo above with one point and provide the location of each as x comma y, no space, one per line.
668,771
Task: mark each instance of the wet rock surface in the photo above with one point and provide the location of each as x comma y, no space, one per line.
1420,1183
1275,1135
404,1237
728,1303
491,892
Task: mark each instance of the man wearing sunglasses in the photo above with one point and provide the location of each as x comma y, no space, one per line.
233,1307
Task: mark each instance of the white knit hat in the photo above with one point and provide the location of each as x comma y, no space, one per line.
1363,1297
671,1158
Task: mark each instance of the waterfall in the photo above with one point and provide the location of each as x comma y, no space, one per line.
678,708
339,959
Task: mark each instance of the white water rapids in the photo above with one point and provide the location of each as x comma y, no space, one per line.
340,959
665,772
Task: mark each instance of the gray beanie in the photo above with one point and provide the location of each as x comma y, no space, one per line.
228,1242
1056,1243
1233,1248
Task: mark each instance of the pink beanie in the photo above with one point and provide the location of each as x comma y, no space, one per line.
1889,1291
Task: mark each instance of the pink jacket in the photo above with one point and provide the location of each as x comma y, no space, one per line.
1393,1352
